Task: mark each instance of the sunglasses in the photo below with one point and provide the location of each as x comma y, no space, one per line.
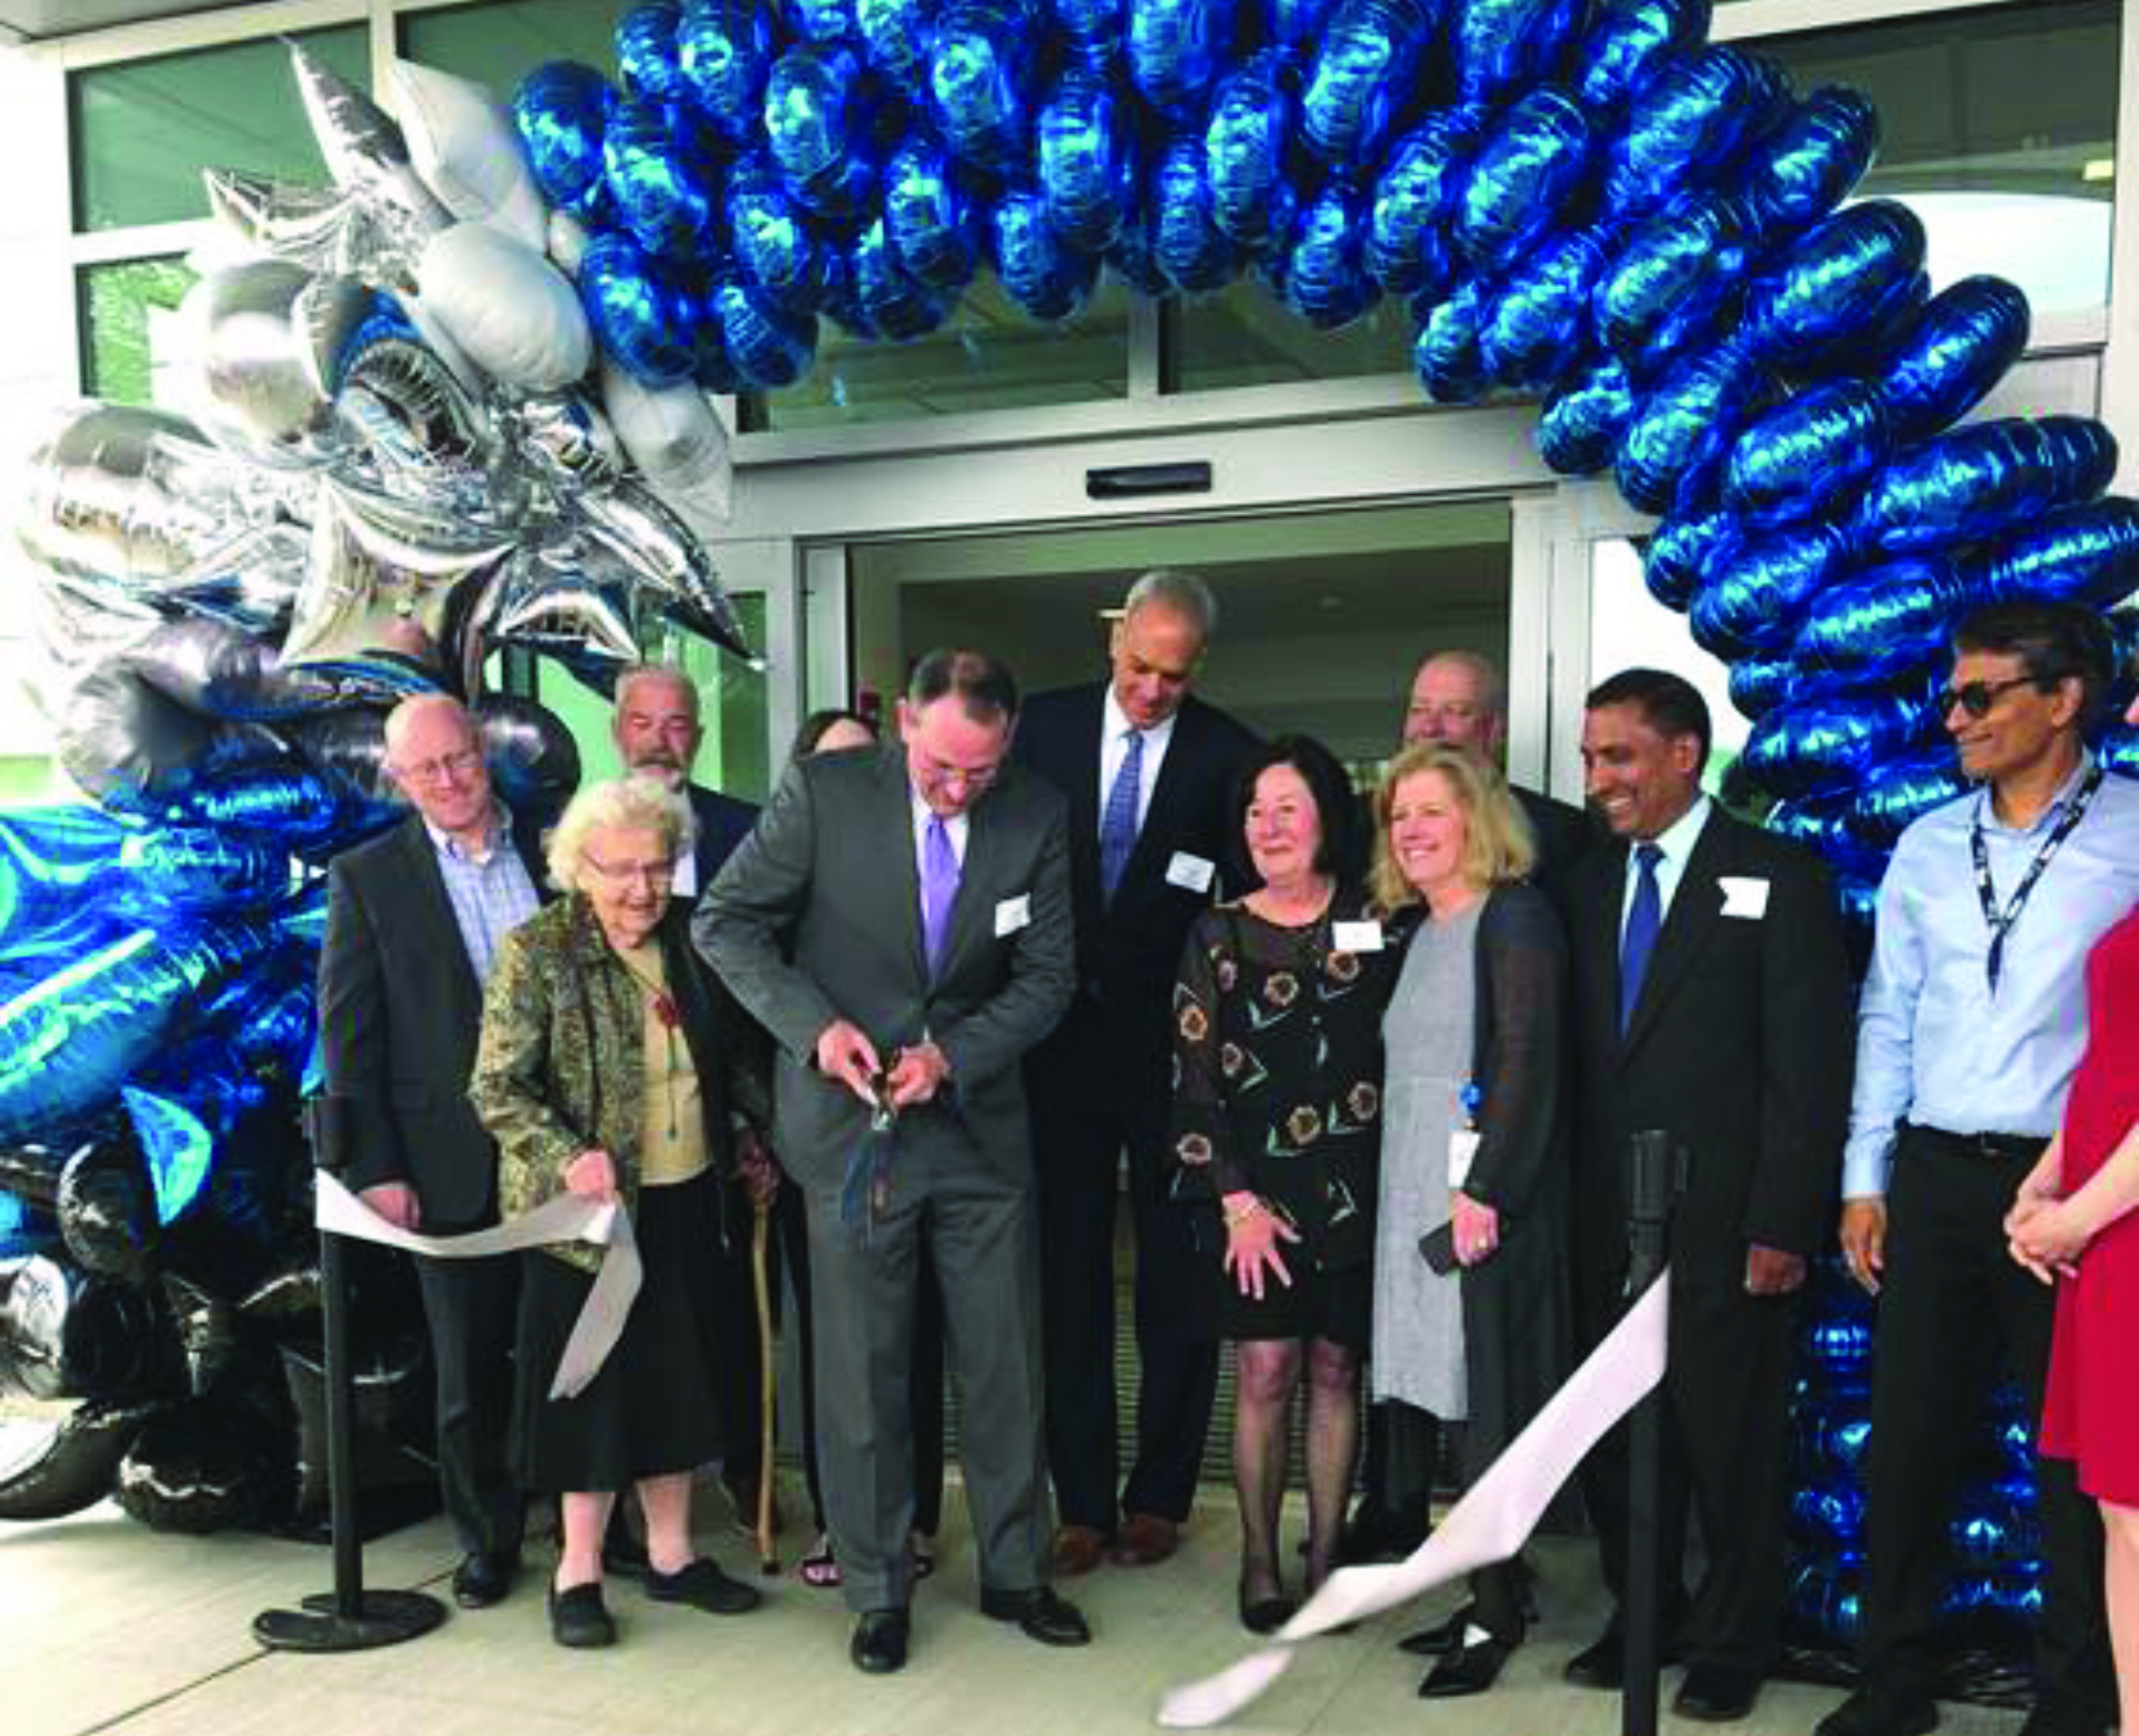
1977,698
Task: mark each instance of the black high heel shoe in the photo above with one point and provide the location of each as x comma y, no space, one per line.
1267,1613
1473,1666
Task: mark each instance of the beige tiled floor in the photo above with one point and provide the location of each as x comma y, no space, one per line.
107,1626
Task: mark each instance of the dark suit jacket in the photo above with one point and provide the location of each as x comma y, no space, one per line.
1563,835
400,1011
722,824
1128,952
1740,1047
832,865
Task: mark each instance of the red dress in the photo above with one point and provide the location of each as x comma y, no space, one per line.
2092,1411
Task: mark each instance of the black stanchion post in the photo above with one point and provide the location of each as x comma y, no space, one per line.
348,1618
1655,1185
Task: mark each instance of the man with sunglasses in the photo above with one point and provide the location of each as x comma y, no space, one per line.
1972,1022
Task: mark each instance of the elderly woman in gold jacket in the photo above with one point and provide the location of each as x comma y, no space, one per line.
613,1066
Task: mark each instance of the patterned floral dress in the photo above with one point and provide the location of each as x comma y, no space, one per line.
1277,1090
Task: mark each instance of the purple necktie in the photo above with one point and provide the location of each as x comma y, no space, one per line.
938,889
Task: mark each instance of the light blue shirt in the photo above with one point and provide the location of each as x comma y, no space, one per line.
490,889
1934,1044
1676,841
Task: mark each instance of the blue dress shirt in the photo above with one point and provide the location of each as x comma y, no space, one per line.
1934,1044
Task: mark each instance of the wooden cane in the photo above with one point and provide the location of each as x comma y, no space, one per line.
767,1379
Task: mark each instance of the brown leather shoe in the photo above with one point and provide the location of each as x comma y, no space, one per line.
1078,1549
1146,1540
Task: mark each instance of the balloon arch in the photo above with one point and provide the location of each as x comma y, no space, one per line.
457,400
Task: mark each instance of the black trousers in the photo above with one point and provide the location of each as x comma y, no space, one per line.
1949,1302
471,1308
1726,1463
1078,1138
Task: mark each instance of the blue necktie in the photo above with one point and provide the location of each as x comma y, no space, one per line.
1640,940
940,876
1117,825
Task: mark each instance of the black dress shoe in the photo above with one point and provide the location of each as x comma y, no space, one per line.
1472,1667
1442,1637
1039,1614
580,1618
879,1645
1713,1694
1604,1664
1881,1711
484,1578
703,1586
2051,1718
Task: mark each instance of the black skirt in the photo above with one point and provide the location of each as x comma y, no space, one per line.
1337,1305
653,1408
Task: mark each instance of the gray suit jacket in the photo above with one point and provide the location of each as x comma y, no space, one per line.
816,916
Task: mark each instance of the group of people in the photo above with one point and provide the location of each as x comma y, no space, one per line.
1370,1067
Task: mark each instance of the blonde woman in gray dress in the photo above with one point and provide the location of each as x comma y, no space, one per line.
1471,1315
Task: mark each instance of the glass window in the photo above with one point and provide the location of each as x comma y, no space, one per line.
988,356
499,45
1999,128
128,311
1244,336
143,130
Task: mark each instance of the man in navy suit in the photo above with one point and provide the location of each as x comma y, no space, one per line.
658,729
1147,769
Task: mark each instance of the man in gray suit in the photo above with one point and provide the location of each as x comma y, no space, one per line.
900,923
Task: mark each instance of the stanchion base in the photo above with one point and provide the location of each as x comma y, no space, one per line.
384,1619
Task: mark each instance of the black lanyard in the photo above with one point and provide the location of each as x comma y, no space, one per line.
2001,925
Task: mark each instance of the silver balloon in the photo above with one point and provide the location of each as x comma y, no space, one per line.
300,225
364,150
264,338
660,553
566,438
384,574
555,602
210,667
423,430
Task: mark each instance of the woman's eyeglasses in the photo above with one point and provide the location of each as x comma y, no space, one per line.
1977,698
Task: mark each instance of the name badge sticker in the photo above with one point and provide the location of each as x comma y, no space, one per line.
1463,1146
1012,914
1191,873
1744,897
1356,937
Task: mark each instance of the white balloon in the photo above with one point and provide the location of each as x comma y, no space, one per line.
514,313
569,242
678,443
465,145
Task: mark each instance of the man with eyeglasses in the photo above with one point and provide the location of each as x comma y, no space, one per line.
1971,1024
899,921
414,919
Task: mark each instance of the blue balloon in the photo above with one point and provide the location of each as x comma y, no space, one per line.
895,37
1983,480
1049,281
1087,173
1360,78
1245,145
660,195
1095,29
767,347
1693,117
1802,170
1534,330
1853,274
1669,282
561,111
2088,554
896,306
642,321
1502,47
1186,240
1790,462
808,124
1828,1513
1828,744
1585,416
1324,283
1759,590
1817,824
1131,259
1839,1348
1825,1605
724,52
980,80
1176,49
2118,749
1684,550
1407,250
1884,622
1294,25
1957,348
646,57
1446,354
1757,686
928,219
1678,436
775,248
1525,174
1626,44
822,23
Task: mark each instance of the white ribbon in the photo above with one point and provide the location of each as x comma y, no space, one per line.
1490,1523
567,1218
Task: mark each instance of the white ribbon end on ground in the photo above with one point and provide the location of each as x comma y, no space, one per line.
1490,1523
